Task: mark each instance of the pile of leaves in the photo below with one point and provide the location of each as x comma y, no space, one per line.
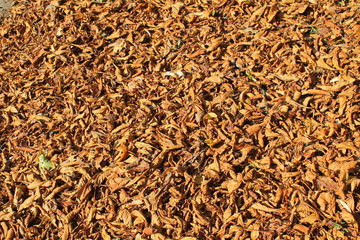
196,119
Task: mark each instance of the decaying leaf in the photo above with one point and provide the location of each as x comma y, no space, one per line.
180,120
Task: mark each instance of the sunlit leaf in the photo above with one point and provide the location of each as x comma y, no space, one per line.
44,162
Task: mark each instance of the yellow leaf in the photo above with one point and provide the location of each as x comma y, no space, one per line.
290,174
254,233
227,213
139,217
326,201
344,205
114,35
311,219
122,153
346,145
301,228
254,128
2,70
321,63
261,207
354,184
11,109
27,203
119,128
37,117
210,115
343,167
348,217
125,217
105,235
158,236
272,12
232,185
213,79
215,43
211,143
315,92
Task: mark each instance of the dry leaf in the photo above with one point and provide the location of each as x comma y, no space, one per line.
261,207
163,118
321,63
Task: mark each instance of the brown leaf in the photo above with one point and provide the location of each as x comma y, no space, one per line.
215,43
310,219
315,92
28,202
105,235
301,228
261,207
347,145
321,63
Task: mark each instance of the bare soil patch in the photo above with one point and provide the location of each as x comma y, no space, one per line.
5,8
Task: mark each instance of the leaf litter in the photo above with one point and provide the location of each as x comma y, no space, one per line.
180,120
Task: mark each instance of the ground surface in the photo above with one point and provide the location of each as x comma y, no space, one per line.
180,120
5,8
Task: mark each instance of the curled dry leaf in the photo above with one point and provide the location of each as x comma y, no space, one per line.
179,120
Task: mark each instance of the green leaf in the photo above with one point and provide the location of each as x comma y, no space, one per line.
336,225
250,76
44,162
178,43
